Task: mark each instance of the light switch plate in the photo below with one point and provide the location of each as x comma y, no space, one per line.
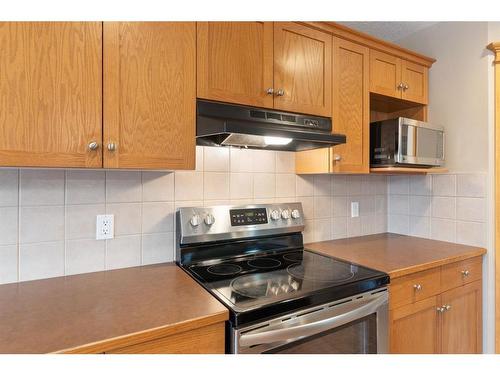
354,209
105,227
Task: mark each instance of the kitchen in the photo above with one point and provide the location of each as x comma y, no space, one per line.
240,187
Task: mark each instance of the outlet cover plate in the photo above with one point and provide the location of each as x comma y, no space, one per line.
105,227
354,209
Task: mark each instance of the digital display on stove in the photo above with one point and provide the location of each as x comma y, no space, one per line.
248,216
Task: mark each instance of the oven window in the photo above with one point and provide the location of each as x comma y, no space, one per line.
357,337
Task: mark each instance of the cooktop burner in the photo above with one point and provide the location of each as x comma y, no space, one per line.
224,269
295,256
322,272
264,263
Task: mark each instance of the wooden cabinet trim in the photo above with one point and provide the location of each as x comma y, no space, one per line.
403,290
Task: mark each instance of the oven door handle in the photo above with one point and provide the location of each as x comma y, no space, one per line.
346,315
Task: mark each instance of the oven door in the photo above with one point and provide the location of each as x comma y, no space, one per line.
354,325
419,143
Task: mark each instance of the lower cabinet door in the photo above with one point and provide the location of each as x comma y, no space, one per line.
414,328
462,320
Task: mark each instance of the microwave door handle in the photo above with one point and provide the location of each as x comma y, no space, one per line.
294,333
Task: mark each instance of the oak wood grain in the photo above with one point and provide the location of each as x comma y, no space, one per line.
396,254
97,312
351,106
235,62
462,323
303,69
416,78
149,94
50,94
453,275
205,340
414,328
403,290
385,74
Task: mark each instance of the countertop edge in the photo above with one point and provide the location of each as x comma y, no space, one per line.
146,335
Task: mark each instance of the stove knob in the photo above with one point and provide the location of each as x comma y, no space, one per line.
195,220
275,215
295,214
285,214
209,219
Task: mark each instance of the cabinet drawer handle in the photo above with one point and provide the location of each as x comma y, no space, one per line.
280,92
465,273
93,146
111,146
270,91
417,287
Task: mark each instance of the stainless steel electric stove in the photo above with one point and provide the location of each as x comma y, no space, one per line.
282,297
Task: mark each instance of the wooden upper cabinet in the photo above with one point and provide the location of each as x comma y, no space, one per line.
414,328
462,322
398,78
415,80
351,113
302,69
50,94
385,74
149,95
235,62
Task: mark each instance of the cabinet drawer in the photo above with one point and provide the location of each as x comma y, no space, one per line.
414,287
461,273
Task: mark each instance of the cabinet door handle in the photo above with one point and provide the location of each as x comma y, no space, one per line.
465,273
440,309
400,86
406,87
270,91
337,157
93,146
417,287
447,307
280,92
111,146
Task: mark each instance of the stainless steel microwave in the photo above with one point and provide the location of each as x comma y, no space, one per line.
406,142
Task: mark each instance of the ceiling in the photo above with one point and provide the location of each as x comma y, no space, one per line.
390,31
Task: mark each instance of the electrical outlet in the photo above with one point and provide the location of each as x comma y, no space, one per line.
105,227
354,209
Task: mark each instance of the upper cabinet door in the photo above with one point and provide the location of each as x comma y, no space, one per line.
351,100
302,69
50,94
385,74
414,79
149,95
235,62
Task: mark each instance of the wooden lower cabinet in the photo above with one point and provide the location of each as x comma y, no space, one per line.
461,324
204,340
449,322
414,328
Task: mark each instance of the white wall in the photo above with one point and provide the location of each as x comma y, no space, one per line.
461,100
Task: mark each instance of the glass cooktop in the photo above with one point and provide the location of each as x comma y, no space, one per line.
251,282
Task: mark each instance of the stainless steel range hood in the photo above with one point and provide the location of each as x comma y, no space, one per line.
221,124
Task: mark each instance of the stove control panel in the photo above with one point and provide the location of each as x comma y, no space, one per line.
207,224
248,216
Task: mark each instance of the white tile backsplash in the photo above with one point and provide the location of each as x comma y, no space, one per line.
55,235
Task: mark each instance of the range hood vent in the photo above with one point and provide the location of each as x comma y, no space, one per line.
221,124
